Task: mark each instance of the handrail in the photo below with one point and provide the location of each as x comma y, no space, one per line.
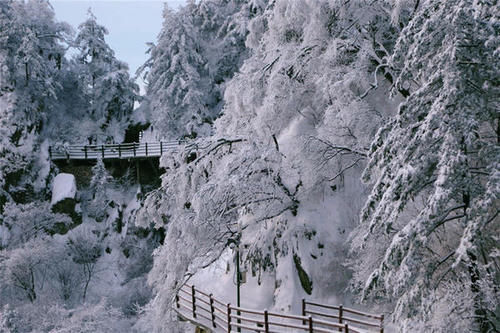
196,305
113,151
363,318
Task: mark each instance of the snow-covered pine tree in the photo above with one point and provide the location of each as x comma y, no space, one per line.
95,54
429,233
199,48
97,189
106,83
32,46
175,83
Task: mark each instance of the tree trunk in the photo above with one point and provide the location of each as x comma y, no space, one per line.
88,271
481,315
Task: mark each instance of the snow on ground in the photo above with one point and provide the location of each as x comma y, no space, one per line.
63,187
220,280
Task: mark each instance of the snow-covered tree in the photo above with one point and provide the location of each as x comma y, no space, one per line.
105,81
85,248
299,112
98,202
25,268
32,46
55,318
199,48
33,220
432,215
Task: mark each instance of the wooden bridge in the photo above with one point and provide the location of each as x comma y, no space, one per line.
114,151
211,315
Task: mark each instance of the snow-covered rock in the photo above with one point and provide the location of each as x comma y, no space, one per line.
63,187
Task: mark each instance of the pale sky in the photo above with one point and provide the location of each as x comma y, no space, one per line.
130,23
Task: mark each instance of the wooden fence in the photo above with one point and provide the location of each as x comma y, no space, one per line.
343,315
113,151
206,311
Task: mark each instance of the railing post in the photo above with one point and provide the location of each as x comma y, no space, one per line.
146,149
341,312
102,149
303,310
346,328
228,317
50,152
382,324
161,148
134,147
119,151
266,321
193,299
212,310
310,324
85,150
177,301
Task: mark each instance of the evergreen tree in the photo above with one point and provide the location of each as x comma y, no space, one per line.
106,83
199,48
32,45
97,189
433,210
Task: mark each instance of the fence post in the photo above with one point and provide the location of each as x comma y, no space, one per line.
102,149
120,151
266,322
212,310
228,317
146,149
161,148
177,301
85,150
346,328
50,152
382,324
303,310
341,312
310,324
134,148
193,299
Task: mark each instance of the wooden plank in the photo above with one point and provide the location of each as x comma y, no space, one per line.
322,314
332,307
252,328
362,322
328,323
364,314
288,325
248,310
280,315
251,320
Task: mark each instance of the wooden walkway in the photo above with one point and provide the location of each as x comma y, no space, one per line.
211,315
114,151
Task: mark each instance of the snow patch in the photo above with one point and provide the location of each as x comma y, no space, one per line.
4,236
63,187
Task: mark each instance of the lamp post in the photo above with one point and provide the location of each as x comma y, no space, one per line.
234,243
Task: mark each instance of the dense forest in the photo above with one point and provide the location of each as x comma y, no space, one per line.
351,147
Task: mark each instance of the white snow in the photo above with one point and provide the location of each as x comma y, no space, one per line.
63,187
4,236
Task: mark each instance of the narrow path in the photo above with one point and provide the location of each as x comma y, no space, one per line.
212,315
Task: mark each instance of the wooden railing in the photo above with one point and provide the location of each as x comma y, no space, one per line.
113,151
343,315
206,311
